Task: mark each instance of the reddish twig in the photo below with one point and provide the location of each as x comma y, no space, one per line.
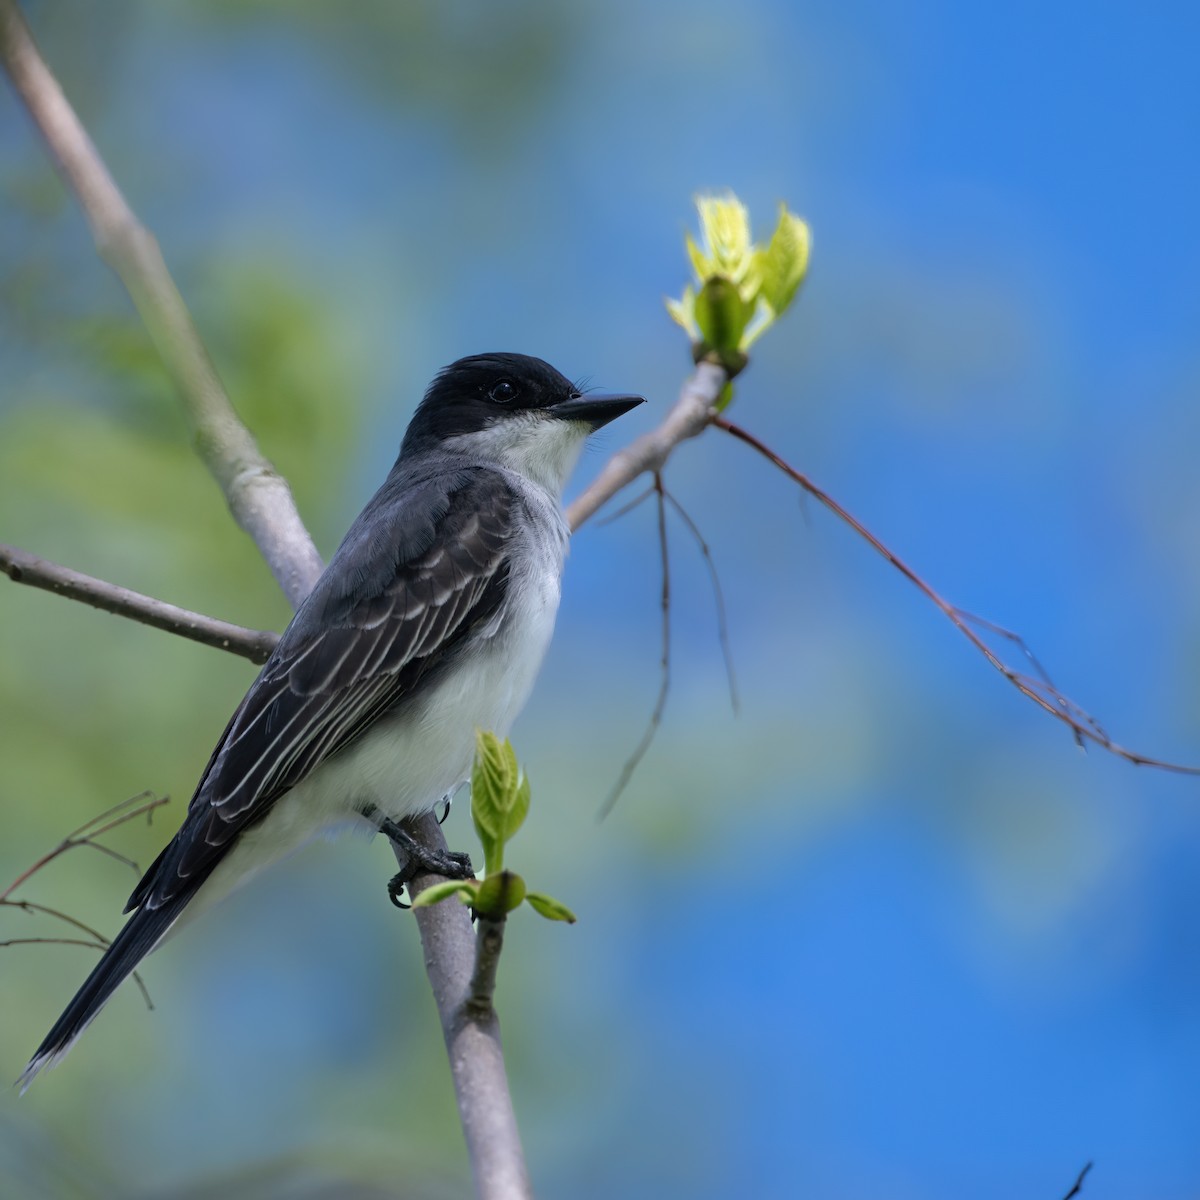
718,597
143,804
86,834
1043,693
631,763
1078,1185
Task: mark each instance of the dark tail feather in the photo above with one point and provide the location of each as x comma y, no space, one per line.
140,935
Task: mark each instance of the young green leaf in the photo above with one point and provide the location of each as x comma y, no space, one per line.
681,312
499,796
464,889
550,908
783,264
725,226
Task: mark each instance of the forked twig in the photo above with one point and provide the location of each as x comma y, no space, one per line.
143,804
631,763
1040,690
658,488
718,597
140,805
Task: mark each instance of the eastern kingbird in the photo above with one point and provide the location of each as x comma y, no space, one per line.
430,621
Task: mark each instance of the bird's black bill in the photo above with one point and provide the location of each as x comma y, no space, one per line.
597,408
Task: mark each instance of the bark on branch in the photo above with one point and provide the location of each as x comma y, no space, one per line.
21,567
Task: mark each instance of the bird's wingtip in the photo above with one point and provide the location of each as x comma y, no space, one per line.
37,1063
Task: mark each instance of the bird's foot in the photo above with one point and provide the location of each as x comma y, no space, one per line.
420,860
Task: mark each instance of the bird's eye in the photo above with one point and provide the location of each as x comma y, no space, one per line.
503,393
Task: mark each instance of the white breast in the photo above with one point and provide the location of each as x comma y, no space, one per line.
407,762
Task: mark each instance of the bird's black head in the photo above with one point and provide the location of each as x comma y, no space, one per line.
479,393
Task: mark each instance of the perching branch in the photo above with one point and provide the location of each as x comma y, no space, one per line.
1039,689
472,1036
22,567
258,497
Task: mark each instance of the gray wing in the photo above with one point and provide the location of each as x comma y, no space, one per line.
419,570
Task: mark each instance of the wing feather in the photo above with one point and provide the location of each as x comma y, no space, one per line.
385,614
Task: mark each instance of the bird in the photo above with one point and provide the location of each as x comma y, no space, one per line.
431,621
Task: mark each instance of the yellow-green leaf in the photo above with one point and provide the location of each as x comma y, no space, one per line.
681,312
550,908
499,796
782,265
725,226
701,263
464,889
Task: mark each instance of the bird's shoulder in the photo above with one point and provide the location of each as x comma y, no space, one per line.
419,526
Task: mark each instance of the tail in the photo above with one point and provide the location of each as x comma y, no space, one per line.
142,932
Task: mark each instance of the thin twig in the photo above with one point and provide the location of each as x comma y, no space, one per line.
54,941
664,687
1042,693
258,496
718,597
691,414
1026,649
626,509
22,567
1078,1185
85,835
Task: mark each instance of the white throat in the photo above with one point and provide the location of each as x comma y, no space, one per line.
542,449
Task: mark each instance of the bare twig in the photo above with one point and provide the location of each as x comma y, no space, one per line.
718,597
1044,694
21,567
140,805
691,414
626,508
258,496
143,804
1077,1187
664,687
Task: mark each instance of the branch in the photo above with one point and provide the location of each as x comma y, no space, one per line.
258,497
692,413
472,1034
1040,690
21,567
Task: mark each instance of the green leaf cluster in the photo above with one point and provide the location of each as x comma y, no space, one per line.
741,287
500,797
